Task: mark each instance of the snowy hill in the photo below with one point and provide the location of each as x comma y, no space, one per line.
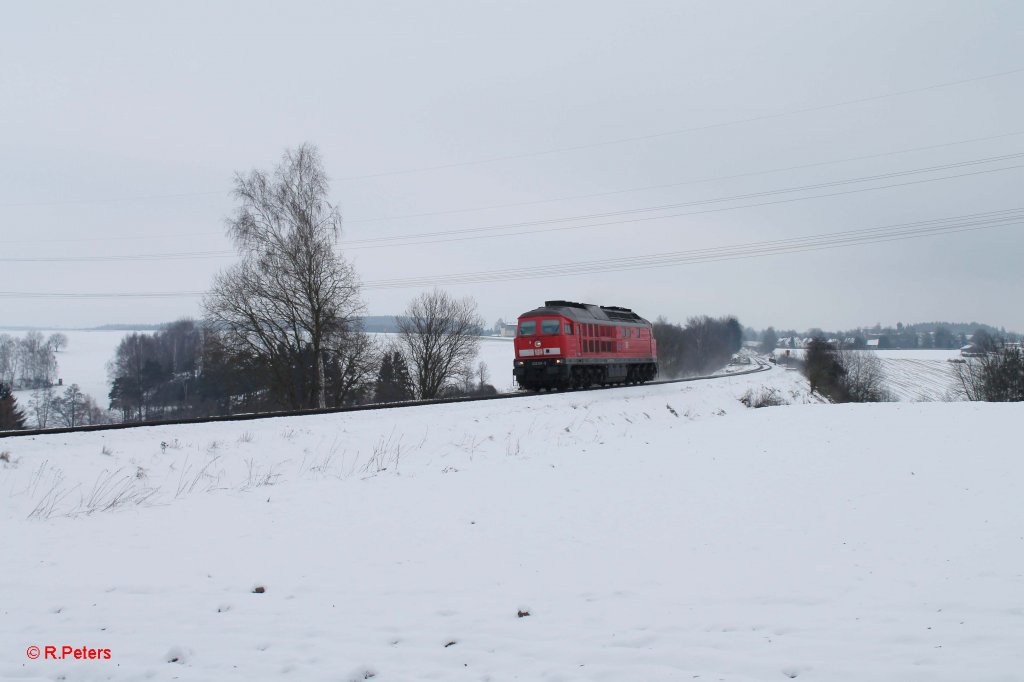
649,533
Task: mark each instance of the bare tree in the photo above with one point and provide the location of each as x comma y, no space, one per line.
440,338
291,297
41,405
71,408
57,342
352,362
36,363
8,359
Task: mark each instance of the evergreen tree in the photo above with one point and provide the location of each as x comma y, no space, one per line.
11,416
943,338
823,370
394,383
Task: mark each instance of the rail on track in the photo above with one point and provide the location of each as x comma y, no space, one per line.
248,416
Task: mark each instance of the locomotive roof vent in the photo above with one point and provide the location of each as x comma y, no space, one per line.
564,304
617,313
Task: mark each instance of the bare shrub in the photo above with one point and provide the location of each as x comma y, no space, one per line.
865,378
258,477
387,452
763,397
844,376
113,489
189,479
997,376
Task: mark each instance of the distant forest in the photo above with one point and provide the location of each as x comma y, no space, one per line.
920,335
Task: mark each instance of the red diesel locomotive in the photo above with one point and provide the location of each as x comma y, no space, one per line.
575,345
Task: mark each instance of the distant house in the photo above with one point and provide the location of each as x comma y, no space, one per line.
508,330
971,351
871,343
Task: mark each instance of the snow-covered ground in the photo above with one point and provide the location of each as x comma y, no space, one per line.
662,532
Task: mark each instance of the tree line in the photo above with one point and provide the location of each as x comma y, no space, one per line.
703,345
924,336
282,328
30,361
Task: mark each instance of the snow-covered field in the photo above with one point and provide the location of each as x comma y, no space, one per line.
498,353
650,533
914,375
923,376
84,362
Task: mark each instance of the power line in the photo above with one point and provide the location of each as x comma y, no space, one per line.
689,213
831,240
842,239
453,235
111,200
94,295
556,150
355,243
186,255
680,131
558,199
682,183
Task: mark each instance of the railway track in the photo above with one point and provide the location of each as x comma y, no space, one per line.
762,367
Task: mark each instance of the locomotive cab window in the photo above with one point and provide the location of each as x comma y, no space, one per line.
527,328
550,327
567,329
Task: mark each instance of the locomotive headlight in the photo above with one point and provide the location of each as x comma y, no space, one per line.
521,363
558,362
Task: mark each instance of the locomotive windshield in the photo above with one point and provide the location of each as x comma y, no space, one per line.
528,328
550,327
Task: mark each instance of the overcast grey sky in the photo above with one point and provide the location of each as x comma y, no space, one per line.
122,123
